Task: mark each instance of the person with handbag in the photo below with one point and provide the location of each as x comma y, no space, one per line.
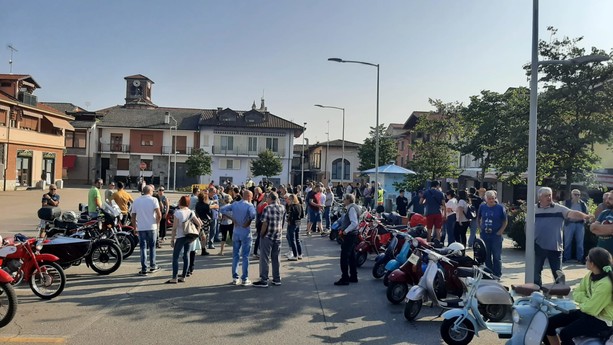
185,230
203,212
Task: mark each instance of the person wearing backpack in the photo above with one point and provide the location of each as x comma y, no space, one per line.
464,215
349,232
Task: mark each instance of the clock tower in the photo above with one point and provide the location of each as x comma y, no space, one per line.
138,92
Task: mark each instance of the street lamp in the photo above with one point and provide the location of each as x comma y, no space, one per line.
167,118
377,125
343,154
302,160
532,132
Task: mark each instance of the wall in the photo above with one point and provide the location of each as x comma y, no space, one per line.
135,141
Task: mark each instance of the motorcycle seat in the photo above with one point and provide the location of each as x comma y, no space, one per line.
465,272
525,289
556,289
396,227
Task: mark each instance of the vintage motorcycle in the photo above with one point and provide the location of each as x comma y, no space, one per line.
22,260
8,298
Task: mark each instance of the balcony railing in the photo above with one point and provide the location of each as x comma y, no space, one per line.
180,150
115,148
240,151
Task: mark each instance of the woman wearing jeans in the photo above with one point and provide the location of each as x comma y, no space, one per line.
294,214
178,240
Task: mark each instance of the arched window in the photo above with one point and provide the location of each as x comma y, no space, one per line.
337,169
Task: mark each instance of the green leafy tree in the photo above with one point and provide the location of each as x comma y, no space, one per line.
198,163
267,164
575,110
388,150
436,154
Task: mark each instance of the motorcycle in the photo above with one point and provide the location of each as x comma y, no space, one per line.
22,260
437,281
416,240
102,255
8,299
110,225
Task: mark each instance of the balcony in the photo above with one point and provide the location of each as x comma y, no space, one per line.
241,151
180,150
115,148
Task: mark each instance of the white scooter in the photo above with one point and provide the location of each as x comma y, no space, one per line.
530,322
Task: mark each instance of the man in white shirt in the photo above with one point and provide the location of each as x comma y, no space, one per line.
349,231
146,216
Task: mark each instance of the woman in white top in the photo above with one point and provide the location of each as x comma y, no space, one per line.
178,240
450,216
462,222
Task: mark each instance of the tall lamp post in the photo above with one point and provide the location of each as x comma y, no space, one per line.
532,132
377,125
343,154
302,160
167,118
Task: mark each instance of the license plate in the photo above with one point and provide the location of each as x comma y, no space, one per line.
414,259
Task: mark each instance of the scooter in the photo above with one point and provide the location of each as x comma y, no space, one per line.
403,257
397,249
530,322
495,300
461,325
373,240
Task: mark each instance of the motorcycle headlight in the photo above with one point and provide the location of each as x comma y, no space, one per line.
39,245
515,316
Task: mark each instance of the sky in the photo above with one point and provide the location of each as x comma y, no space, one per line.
209,54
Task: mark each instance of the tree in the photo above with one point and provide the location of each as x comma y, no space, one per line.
575,110
198,163
267,164
388,150
436,154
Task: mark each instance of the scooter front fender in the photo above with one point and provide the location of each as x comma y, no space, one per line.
416,293
381,257
461,313
362,247
392,265
5,278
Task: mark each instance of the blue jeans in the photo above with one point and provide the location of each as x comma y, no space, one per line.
146,240
327,216
212,231
493,246
473,232
241,246
450,228
181,244
555,262
293,238
573,232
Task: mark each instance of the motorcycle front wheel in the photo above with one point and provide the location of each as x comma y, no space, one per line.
360,258
396,292
378,270
412,309
105,257
126,244
49,281
8,304
461,336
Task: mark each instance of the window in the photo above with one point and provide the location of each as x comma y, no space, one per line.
29,123
227,143
316,160
229,164
337,169
79,140
272,144
123,164
180,144
69,139
253,144
3,117
402,145
149,164
146,140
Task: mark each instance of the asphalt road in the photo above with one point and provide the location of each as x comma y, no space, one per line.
124,308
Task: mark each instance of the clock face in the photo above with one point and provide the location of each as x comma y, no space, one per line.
136,83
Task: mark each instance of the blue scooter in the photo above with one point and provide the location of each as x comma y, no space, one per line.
379,269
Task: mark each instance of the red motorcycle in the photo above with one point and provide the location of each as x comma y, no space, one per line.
8,299
22,260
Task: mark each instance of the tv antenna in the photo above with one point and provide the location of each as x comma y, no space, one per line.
12,49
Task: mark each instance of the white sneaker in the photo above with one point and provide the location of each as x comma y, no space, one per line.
292,258
246,282
236,281
299,257
289,254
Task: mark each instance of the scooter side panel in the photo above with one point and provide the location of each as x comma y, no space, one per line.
392,265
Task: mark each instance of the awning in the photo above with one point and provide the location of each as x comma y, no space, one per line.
69,161
59,123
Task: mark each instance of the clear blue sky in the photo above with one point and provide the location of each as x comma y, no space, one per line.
208,54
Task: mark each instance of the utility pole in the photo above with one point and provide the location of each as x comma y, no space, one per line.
12,49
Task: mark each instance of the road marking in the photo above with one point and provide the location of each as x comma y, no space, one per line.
33,340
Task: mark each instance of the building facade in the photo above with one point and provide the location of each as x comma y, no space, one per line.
323,162
32,135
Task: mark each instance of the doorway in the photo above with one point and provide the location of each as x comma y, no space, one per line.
49,170
24,171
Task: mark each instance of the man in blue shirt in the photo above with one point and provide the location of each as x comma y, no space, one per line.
492,219
434,200
51,199
548,227
603,227
242,214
